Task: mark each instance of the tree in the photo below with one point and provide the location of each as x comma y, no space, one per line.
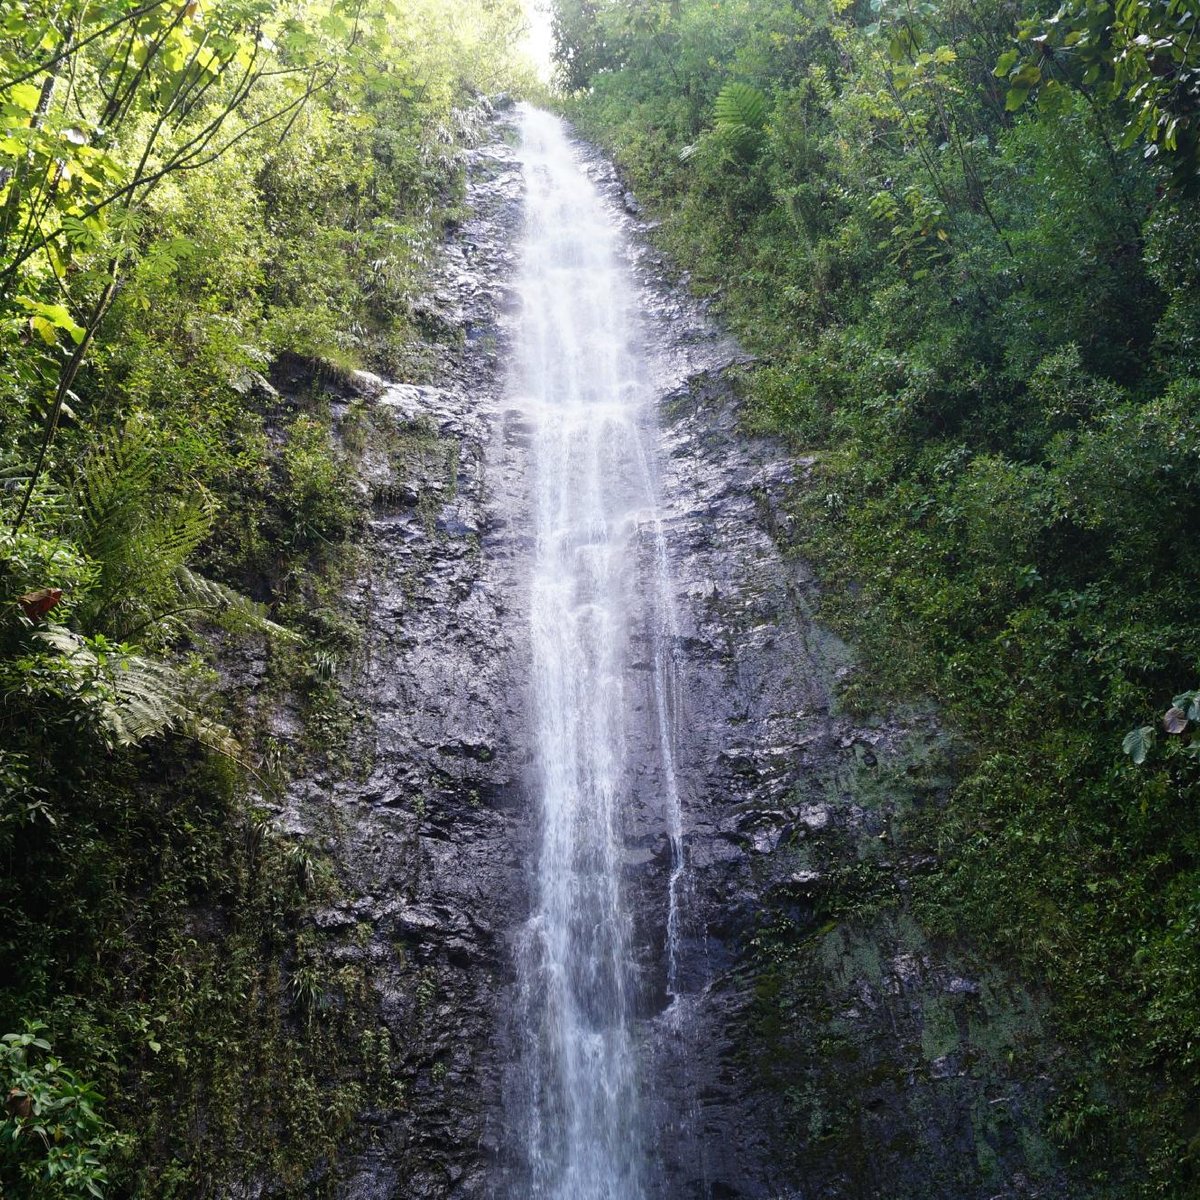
1140,58
101,104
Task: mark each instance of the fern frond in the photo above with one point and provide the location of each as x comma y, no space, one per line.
137,536
200,594
116,479
141,697
63,640
741,113
218,737
148,699
176,534
740,105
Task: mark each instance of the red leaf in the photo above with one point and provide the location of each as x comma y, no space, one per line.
36,605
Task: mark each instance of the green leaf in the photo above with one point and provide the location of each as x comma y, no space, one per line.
25,95
741,113
54,316
1137,743
45,330
1016,97
1005,63
1053,99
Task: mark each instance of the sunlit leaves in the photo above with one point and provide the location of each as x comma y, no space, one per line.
47,319
1141,58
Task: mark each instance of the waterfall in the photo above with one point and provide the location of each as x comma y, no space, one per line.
579,374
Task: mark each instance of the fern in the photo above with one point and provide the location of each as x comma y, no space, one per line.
200,594
138,539
148,698
116,479
740,106
136,534
741,113
134,698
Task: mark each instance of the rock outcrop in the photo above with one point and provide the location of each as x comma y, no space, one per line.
822,1045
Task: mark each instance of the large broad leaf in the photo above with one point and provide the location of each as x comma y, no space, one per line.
1174,720
1137,743
52,317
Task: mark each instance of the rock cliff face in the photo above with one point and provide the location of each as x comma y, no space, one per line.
428,828
822,1046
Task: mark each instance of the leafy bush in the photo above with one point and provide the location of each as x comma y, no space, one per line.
56,1144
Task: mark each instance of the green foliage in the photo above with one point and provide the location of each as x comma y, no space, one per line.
317,486
194,197
740,111
135,529
1178,723
1138,57
55,1142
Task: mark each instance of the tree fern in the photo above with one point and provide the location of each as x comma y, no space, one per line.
137,536
739,106
740,115
115,481
740,112
136,532
198,594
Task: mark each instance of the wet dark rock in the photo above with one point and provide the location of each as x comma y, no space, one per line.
424,829
256,386
892,1075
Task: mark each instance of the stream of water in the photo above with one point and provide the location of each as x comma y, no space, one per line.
579,1104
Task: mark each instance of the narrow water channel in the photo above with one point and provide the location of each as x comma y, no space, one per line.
580,1110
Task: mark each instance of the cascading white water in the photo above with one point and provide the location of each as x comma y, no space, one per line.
579,376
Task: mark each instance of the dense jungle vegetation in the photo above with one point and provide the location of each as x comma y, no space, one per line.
963,241
190,192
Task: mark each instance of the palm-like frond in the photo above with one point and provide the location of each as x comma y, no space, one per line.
200,594
114,483
135,698
740,106
740,112
138,536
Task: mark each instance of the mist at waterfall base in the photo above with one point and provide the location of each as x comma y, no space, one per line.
580,1120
